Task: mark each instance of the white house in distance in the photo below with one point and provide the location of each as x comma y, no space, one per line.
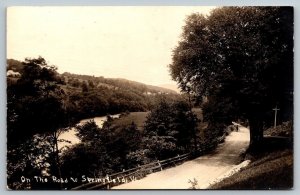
11,73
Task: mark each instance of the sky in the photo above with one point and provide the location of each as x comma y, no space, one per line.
134,43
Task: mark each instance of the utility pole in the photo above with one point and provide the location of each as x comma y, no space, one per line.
275,118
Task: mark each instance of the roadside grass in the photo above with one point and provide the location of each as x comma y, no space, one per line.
271,166
138,118
285,130
273,171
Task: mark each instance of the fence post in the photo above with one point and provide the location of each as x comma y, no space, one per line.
159,165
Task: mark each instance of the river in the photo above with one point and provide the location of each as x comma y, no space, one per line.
71,134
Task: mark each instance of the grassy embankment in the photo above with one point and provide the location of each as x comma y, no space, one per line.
138,118
271,167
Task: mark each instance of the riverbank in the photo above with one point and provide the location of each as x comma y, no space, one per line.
70,135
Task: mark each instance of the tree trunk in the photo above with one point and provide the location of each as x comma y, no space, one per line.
57,157
256,134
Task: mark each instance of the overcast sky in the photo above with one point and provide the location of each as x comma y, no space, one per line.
118,42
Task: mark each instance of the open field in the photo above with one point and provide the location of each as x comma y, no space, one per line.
138,118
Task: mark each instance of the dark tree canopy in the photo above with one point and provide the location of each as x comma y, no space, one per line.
170,129
35,114
35,101
241,55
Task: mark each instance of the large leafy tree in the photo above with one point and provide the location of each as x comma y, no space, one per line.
243,55
170,129
35,101
35,111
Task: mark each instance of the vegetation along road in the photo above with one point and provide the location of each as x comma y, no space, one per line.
204,169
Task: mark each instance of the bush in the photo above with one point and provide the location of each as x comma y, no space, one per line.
285,129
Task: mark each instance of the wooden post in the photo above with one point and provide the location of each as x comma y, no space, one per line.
275,118
159,165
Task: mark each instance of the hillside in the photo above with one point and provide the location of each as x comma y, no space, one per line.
90,96
116,83
17,66
149,88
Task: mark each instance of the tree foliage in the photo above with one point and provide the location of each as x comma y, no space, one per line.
36,114
169,130
90,96
37,88
102,151
241,58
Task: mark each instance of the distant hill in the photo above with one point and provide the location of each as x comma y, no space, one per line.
173,87
149,87
17,66
121,83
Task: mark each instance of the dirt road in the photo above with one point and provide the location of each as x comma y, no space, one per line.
204,169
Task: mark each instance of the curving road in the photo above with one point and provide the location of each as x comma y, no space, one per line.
204,169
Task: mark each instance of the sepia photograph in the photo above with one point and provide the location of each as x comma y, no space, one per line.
150,98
